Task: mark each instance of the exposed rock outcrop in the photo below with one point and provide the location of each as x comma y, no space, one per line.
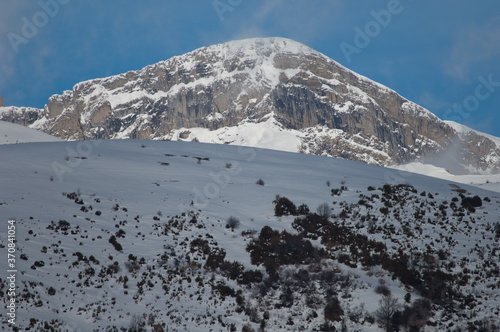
223,85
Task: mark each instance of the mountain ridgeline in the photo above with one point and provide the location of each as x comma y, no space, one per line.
251,81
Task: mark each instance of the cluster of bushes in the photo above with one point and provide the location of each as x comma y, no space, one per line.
311,226
115,243
430,282
62,226
338,191
471,203
113,268
216,261
75,197
200,245
274,248
392,316
388,189
37,264
132,264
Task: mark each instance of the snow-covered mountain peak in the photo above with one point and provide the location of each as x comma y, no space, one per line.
226,87
259,48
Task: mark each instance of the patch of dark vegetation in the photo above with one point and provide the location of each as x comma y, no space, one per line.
471,203
273,249
62,226
115,243
215,261
284,207
232,222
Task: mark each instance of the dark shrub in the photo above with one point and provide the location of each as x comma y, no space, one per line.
497,229
285,207
215,259
201,246
132,266
64,225
303,210
333,311
115,243
113,268
247,328
471,203
252,276
260,182
236,270
476,201
324,210
39,264
225,290
232,222
286,299
383,290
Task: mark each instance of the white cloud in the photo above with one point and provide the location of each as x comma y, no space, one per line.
473,45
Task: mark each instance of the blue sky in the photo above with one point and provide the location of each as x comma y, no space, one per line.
443,55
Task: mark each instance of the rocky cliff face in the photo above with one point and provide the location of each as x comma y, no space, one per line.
250,80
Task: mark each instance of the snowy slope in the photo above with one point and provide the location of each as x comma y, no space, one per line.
488,181
12,133
462,129
69,198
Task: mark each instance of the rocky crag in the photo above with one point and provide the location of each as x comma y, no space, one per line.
253,80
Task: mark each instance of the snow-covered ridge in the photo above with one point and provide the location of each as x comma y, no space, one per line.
462,129
11,133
